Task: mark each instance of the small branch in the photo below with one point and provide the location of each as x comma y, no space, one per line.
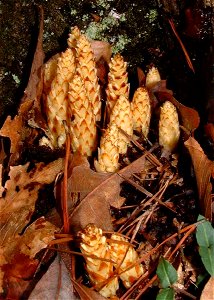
65,188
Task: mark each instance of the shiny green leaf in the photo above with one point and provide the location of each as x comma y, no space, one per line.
166,273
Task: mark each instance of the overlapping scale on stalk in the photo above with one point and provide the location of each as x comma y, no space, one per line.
152,77
141,111
73,37
82,123
56,102
121,115
50,68
117,81
93,242
108,153
169,131
124,255
88,72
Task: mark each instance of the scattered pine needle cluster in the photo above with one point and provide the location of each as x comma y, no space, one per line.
72,101
108,261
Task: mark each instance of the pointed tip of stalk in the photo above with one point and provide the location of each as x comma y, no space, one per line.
73,37
152,77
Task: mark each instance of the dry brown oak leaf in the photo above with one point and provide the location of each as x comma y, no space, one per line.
17,259
95,206
30,101
17,203
203,168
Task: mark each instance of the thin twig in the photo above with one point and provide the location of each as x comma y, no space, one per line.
137,186
80,254
171,23
65,187
148,154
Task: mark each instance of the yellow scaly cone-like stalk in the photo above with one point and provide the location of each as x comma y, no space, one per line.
117,81
56,103
121,115
50,68
73,37
88,72
169,131
83,127
152,77
94,243
108,153
141,111
126,254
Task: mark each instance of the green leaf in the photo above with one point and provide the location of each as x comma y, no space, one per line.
205,239
205,234
166,273
166,294
207,257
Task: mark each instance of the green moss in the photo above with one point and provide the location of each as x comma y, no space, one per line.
152,15
121,43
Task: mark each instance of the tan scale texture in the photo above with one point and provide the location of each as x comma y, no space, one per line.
125,253
50,68
94,243
117,81
83,125
121,115
88,72
169,131
108,153
73,37
141,111
152,77
56,102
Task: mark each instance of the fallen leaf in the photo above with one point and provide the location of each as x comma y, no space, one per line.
31,98
83,179
17,204
102,52
33,90
189,116
18,264
208,291
95,207
20,195
141,77
101,49
203,168
209,130
19,132
86,293
55,283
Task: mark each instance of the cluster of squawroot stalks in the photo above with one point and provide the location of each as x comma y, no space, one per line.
72,102
112,260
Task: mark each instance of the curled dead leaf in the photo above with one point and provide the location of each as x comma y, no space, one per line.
203,168
101,49
31,98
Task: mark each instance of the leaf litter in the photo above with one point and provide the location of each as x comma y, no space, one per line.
149,200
